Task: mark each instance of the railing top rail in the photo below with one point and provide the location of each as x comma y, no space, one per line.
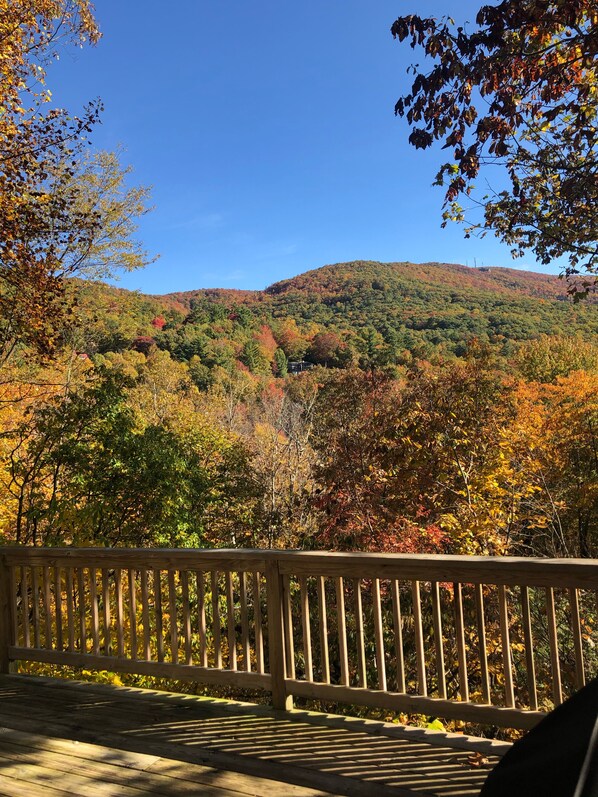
424,567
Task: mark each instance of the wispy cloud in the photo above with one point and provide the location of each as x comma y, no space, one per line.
202,221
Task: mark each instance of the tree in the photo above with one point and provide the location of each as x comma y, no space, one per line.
60,213
519,91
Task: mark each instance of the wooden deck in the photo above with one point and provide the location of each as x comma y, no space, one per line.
61,737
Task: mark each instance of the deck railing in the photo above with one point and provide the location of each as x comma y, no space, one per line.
480,639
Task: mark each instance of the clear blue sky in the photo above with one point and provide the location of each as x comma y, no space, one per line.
267,131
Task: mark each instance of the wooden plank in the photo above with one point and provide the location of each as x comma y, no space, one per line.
438,641
201,617
342,632
460,639
173,618
242,680
145,615
58,606
359,635
506,645
379,635
244,621
133,613
323,624
580,678
70,609
529,649
230,621
511,571
257,620
47,606
158,612
186,609
306,628
106,614
398,636
216,621
555,667
95,621
482,647
289,643
418,704
420,652
120,635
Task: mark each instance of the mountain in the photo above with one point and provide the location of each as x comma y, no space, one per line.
418,308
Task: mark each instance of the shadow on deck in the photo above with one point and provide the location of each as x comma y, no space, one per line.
61,737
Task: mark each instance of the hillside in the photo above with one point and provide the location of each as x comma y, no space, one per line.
401,308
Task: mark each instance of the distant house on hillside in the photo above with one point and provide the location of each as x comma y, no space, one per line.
297,367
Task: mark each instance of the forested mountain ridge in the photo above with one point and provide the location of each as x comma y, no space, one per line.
332,315
449,409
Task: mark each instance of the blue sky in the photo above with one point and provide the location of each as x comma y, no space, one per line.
267,131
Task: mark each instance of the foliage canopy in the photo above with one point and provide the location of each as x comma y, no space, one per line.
519,91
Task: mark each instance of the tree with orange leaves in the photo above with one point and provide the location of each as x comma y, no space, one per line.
57,209
519,91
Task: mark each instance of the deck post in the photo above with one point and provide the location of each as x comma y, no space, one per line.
6,619
276,648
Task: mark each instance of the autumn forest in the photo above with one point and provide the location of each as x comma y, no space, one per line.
359,406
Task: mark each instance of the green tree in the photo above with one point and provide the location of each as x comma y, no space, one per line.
519,90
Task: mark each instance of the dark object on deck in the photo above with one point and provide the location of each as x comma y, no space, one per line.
557,758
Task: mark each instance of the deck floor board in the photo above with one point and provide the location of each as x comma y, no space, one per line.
60,737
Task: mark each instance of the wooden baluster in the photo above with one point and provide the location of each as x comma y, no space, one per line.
419,640
397,621
173,618
35,605
529,649
25,606
379,635
216,622
361,665
506,645
47,604
70,613
230,621
482,648
106,611
133,614
145,614
289,646
12,598
201,617
244,622
120,636
323,623
184,577
580,677
557,691
95,621
438,641
461,649
58,605
342,632
276,636
157,578
82,623
257,619
306,627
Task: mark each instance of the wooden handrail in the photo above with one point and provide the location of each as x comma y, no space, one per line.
494,640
